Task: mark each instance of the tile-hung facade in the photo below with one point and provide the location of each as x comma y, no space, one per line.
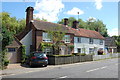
82,40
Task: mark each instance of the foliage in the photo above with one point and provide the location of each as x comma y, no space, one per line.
44,45
7,37
71,46
96,25
56,34
117,41
23,58
61,55
10,27
4,61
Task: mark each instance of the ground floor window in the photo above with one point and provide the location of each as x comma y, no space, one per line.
11,49
48,51
79,50
91,50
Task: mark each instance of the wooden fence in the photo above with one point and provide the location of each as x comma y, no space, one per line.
58,60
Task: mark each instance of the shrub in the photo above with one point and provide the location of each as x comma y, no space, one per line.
82,54
4,61
23,54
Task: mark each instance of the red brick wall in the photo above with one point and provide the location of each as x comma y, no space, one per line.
38,39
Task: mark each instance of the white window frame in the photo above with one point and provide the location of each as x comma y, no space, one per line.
91,40
78,39
67,38
101,42
45,37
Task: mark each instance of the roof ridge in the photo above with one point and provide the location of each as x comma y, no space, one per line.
49,22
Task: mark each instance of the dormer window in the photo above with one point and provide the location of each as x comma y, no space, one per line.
90,40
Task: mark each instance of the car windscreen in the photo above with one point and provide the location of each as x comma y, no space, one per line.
39,55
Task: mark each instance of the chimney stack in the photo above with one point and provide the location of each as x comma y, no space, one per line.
66,21
75,24
29,15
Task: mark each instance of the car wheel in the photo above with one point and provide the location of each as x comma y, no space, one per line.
45,65
30,64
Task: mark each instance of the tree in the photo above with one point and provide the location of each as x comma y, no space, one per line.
117,41
56,34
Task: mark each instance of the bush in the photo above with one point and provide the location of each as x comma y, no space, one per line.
61,55
23,54
4,61
82,54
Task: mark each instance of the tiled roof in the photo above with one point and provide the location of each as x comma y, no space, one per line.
15,43
42,25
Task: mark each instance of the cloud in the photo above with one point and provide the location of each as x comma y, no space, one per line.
75,11
113,32
91,19
48,9
98,4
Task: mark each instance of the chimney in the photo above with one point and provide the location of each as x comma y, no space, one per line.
75,24
66,21
29,15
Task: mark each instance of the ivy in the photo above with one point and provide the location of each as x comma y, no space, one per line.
71,46
23,54
44,45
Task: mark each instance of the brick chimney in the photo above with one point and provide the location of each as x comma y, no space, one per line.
75,24
29,15
66,21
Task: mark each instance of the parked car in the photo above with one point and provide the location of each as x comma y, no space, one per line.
37,59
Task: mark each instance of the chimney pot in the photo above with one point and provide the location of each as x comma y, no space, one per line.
65,21
75,24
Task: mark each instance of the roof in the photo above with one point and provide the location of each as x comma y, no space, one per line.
43,25
110,42
15,43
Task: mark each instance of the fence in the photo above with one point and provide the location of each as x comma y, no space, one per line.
58,60
98,57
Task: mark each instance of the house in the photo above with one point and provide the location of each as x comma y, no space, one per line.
82,40
110,45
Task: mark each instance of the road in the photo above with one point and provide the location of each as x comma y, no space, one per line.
95,69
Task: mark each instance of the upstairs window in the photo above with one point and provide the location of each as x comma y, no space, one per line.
78,39
67,38
101,42
45,37
91,41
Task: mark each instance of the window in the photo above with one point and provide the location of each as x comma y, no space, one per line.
91,41
48,51
91,50
79,40
79,50
11,49
101,42
45,37
67,38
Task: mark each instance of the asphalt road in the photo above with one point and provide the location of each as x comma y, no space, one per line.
95,69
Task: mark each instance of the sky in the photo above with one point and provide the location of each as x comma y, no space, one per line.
55,10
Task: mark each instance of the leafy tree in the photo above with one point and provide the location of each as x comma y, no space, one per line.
56,34
117,41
